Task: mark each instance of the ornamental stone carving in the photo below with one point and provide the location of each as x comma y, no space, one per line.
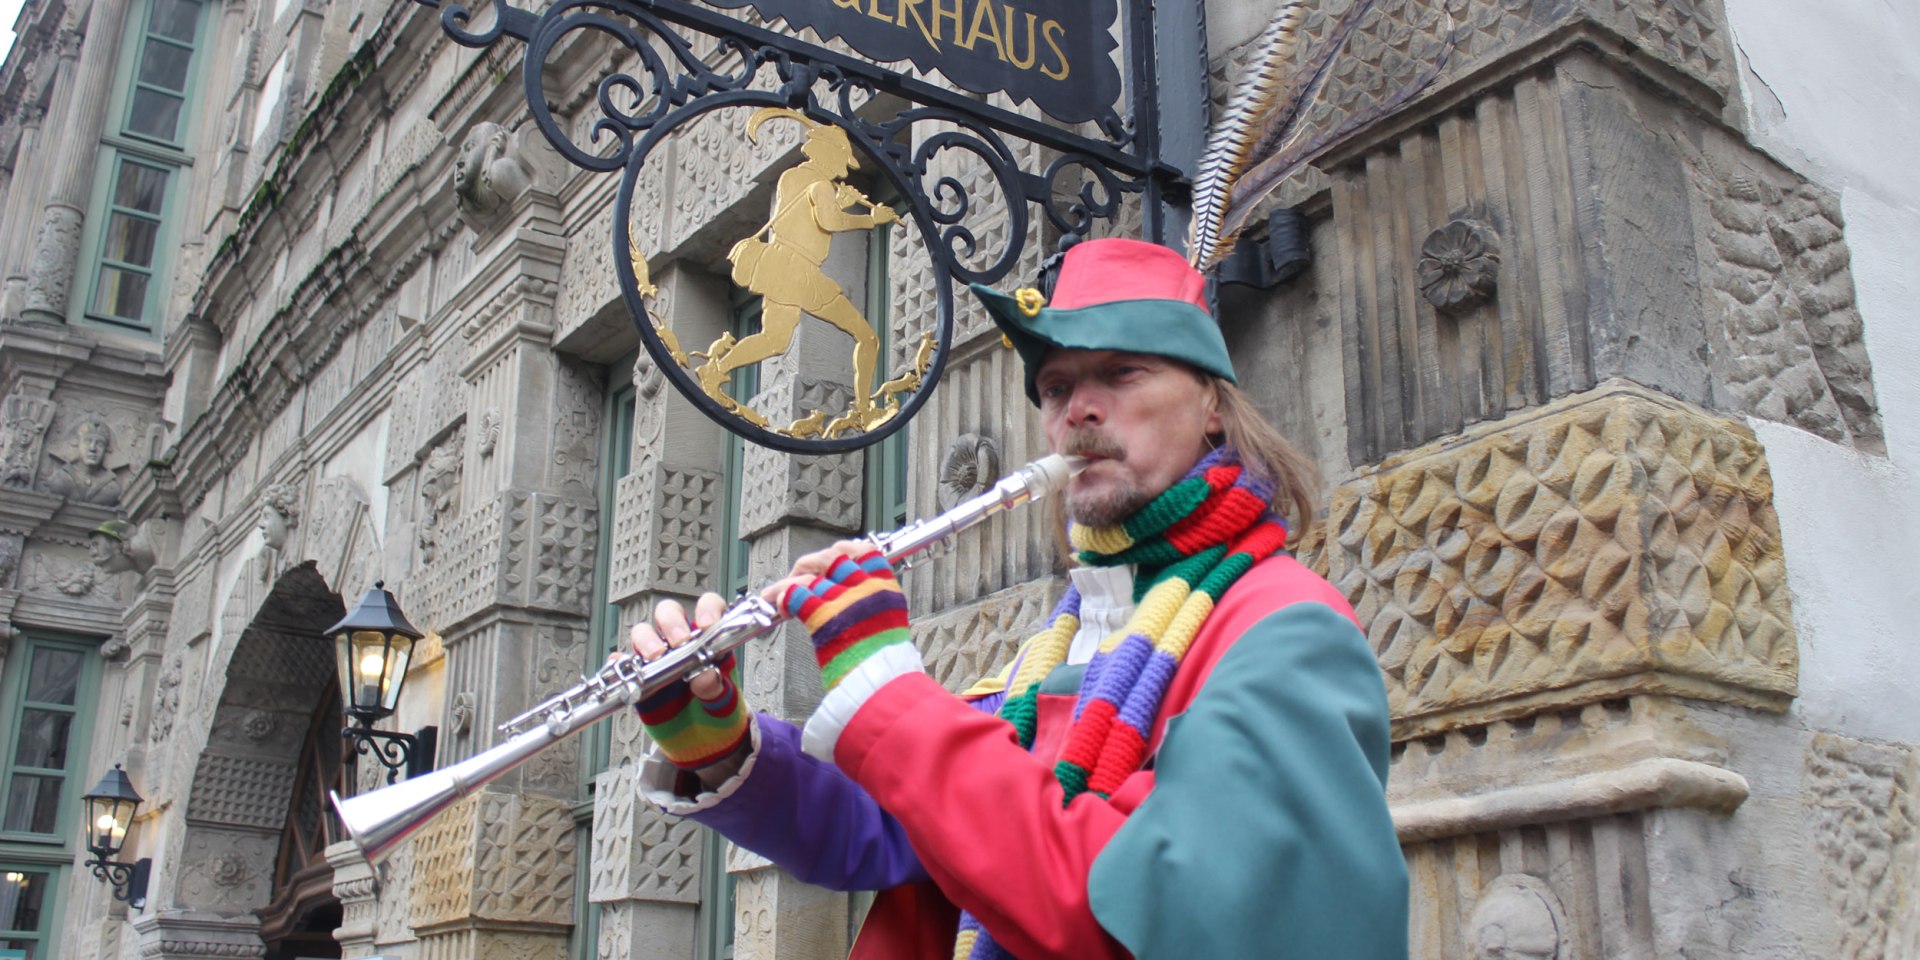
1619,542
84,473
279,514
972,465
439,493
10,546
117,545
1458,263
489,175
166,701
23,425
1864,809
1518,918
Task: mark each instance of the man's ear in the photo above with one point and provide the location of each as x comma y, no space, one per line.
1214,425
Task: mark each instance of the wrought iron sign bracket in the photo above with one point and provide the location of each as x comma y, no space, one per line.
672,85
413,753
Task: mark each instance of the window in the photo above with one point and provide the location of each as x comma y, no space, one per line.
48,700
26,899
616,459
143,158
156,107
715,934
48,697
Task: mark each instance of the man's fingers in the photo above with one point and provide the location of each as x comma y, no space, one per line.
708,609
778,590
645,641
670,618
708,684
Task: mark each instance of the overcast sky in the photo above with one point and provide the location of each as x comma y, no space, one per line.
9,9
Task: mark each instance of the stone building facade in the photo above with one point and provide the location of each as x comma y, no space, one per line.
1605,349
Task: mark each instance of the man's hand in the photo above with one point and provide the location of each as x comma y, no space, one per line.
700,722
847,597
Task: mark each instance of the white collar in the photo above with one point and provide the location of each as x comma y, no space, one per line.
1106,602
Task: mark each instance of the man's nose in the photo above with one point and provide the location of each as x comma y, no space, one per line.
1084,407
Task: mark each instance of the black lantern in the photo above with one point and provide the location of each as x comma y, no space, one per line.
374,645
111,805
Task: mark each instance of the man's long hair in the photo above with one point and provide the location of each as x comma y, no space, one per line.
1296,481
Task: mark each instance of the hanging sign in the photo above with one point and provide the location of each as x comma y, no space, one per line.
1056,53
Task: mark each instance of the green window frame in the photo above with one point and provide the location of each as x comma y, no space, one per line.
616,461
30,909
49,696
714,932
161,76
142,162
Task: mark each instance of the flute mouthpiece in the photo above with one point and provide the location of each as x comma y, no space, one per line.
1051,472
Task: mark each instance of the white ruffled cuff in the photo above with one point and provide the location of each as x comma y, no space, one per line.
658,777
836,710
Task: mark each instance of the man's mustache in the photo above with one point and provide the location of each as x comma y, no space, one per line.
1088,442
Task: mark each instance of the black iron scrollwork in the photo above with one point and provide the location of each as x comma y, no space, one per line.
1085,182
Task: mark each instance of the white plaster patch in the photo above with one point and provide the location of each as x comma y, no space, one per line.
1850,545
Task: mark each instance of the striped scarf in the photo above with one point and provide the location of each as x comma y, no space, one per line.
1188,546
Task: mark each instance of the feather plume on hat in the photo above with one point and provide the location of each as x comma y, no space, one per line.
1260,140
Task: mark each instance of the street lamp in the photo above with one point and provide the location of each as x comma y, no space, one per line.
110,808
374,644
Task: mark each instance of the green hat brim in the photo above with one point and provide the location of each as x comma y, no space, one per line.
1166,328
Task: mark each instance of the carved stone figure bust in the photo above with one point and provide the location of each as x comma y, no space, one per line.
87,477
487,177
279,514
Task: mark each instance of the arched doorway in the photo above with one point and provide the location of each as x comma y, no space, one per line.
257,817
303,912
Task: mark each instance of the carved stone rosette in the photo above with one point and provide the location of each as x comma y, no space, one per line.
1619,542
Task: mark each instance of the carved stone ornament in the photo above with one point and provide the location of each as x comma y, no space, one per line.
117,545
85,474
1458,265
461,717
489,432
9,560
279,514
972,463
488,176
23,424
166,701
1518,918
258,725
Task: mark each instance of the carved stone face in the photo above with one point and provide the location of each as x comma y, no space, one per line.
93,447
476,151
102,548
274,527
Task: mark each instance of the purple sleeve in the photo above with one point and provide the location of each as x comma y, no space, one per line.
807,817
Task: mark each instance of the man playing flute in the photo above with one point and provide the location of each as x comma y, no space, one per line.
1188,759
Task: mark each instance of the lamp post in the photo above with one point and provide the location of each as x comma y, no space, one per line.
374,645
110,808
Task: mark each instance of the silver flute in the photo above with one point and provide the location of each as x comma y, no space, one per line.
379,820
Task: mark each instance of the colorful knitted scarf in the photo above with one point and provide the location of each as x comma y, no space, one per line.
1188,546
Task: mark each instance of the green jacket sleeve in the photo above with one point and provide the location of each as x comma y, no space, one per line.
1267,832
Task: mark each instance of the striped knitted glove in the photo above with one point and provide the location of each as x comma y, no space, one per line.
692,732
857,617
852,613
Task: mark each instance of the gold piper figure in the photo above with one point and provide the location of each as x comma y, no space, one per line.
781,262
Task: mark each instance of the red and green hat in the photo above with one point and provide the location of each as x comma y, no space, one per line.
1114,294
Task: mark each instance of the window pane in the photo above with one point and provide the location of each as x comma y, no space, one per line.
164,64
55,675
21,894
155,114
33,805
175,18
43,739
121,293
130,239
141,188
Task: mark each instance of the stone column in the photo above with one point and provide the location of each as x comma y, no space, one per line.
80,98
23,194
